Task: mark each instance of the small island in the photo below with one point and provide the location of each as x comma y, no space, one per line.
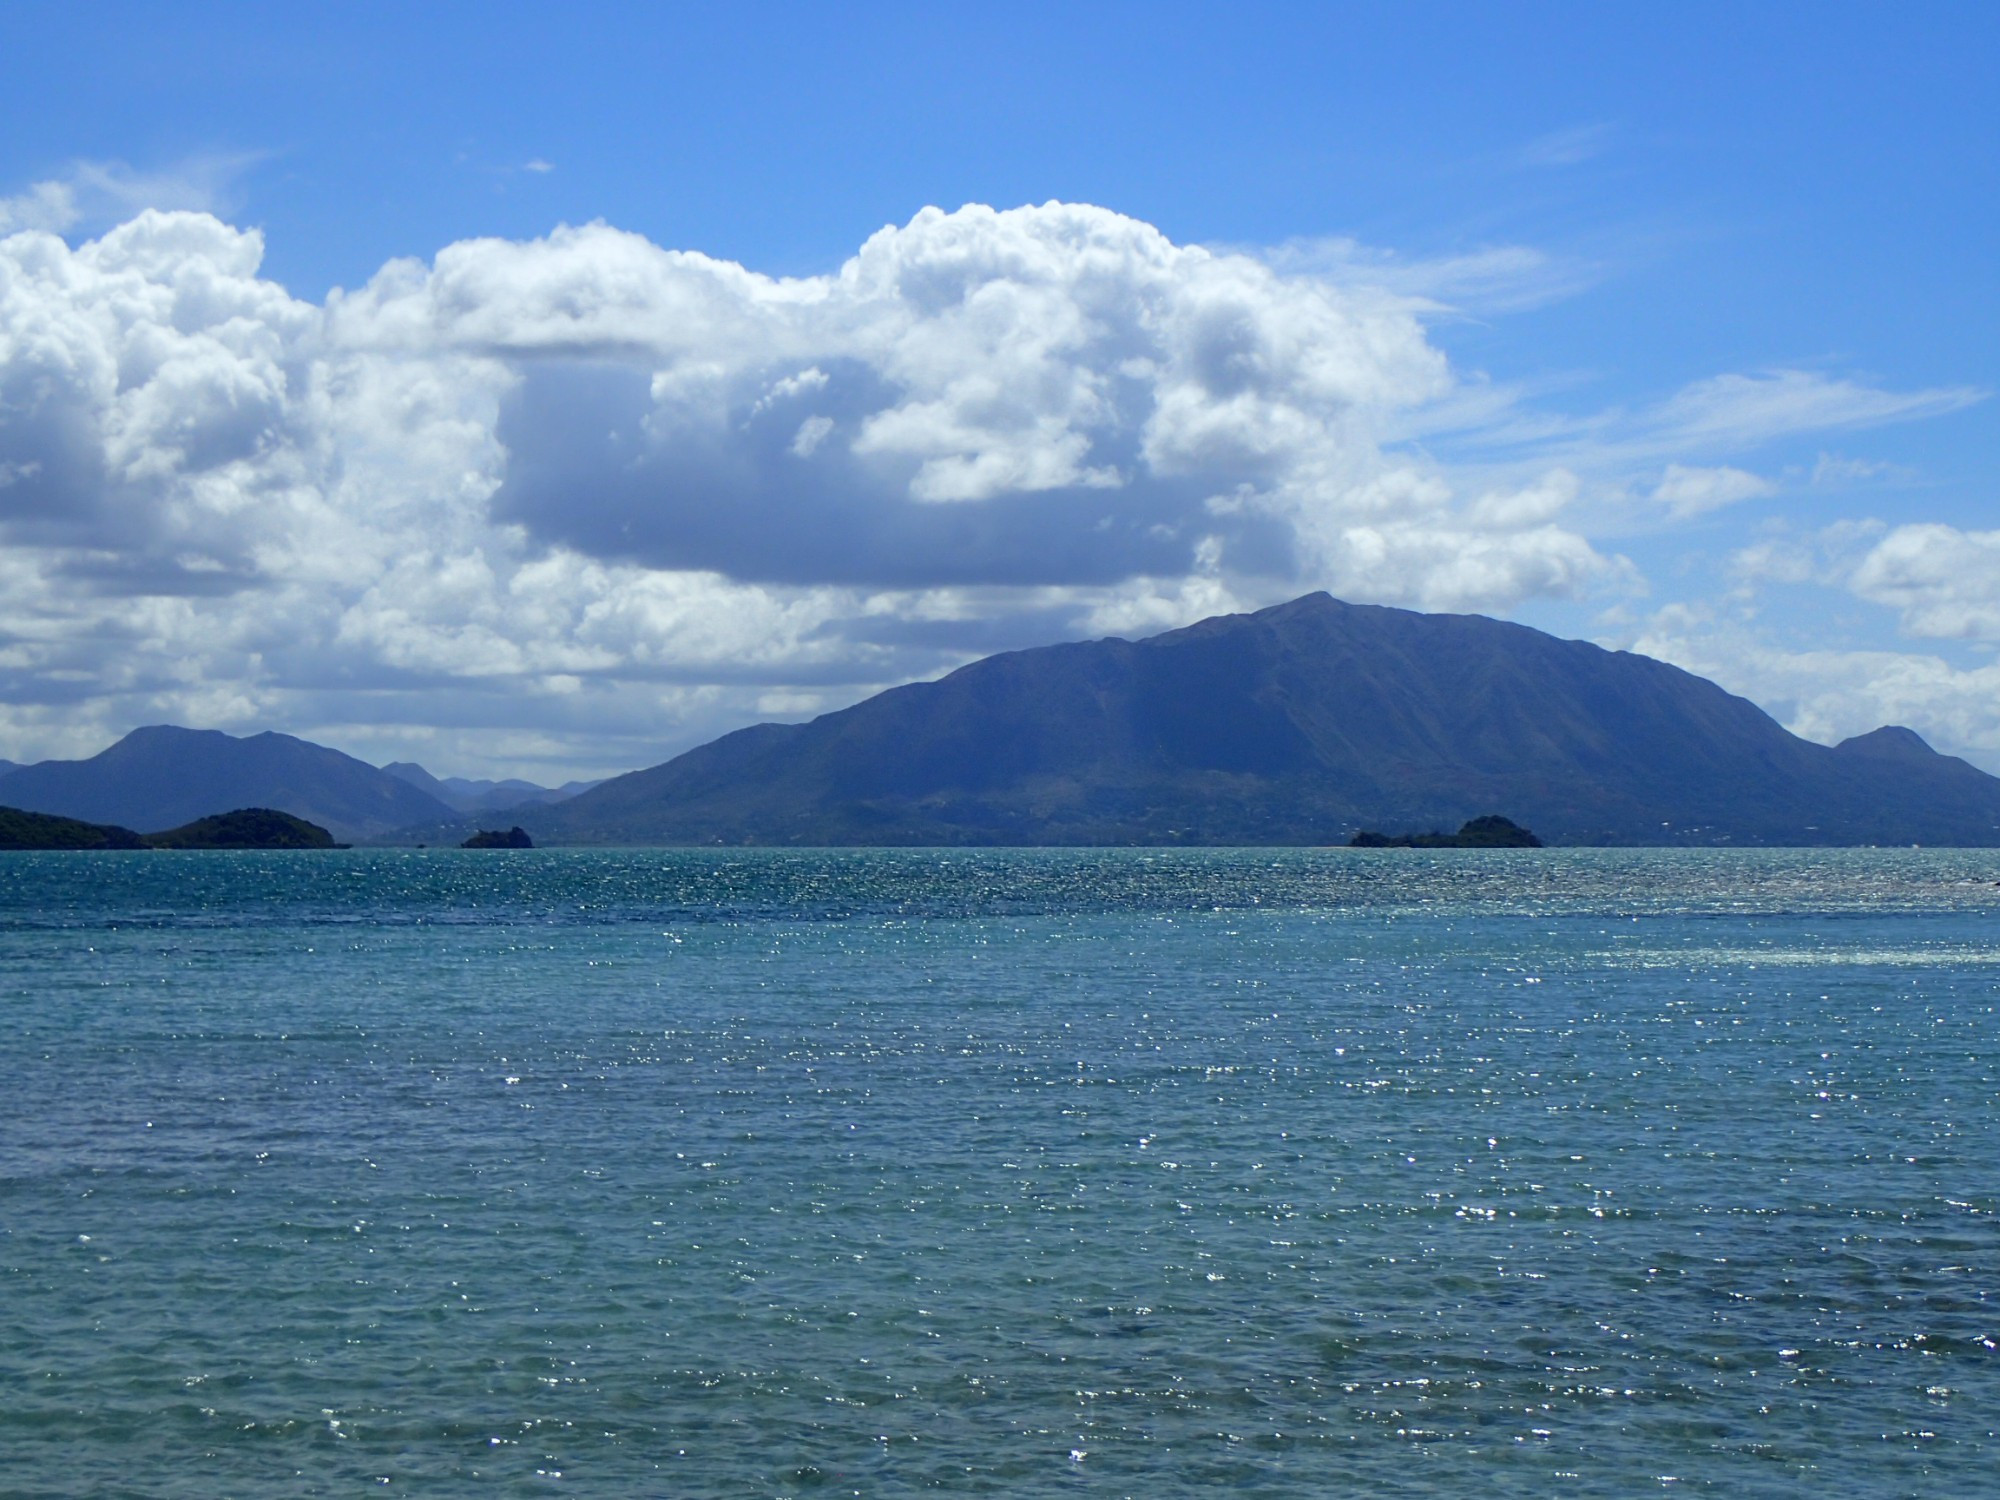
246,828
492,838
1489,832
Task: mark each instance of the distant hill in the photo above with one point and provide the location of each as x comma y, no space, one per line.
1297,724
164,777
27,830
245,828
467,796
9,765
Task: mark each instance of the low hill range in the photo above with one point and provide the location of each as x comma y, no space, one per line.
31,830
468,796
1305,723
1299,724
165,776
244,828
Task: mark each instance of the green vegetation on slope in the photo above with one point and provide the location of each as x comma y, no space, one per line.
246,828
26,830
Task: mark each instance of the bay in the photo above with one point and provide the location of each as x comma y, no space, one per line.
1015,1172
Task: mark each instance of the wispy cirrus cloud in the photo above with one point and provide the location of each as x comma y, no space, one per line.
91,194
1717,416
1744,410
1685,456
1567,148
1688,490
1487,281
1838,471
49,206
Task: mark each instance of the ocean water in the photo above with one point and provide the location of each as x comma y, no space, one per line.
1001,1172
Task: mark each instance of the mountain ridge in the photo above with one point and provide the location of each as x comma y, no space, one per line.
164,776
1299,724
469,796
1295,724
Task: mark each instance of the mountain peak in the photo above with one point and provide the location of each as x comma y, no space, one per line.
414,774
469,796
1317,602
159,734
1890,742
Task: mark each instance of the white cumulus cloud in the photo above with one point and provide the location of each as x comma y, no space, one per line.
1046,395
48,206
573,502
1946,582
1687,490
1829,694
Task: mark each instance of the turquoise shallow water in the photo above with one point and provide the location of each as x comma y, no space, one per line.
1025,1172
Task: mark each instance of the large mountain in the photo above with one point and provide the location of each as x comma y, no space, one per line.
1298,724
164,776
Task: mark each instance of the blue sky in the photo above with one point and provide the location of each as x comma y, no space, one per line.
1675,331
